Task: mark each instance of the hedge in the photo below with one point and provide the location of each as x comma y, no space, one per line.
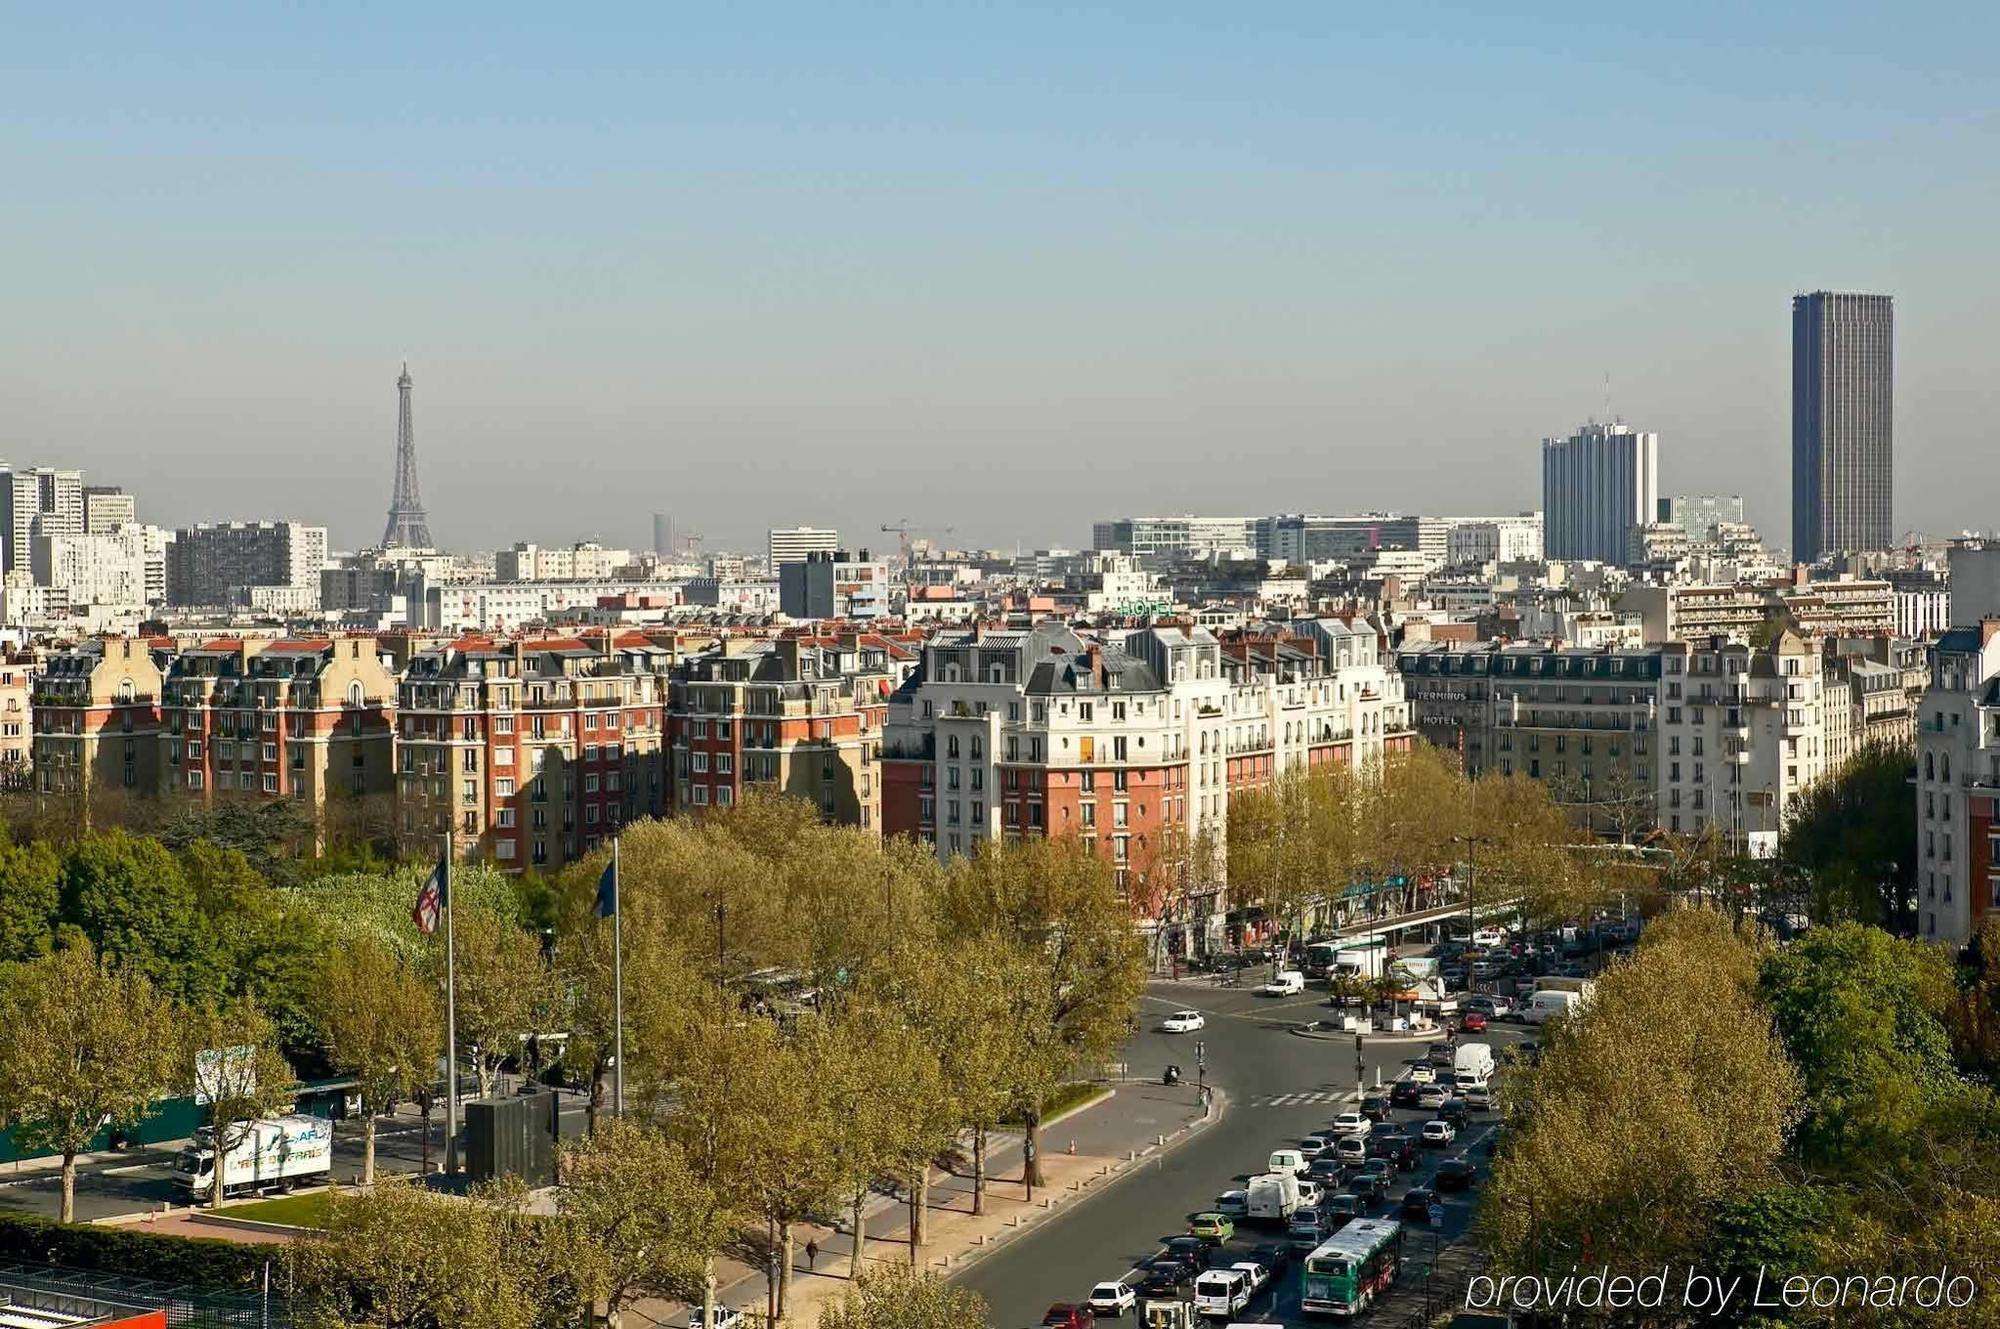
222,1266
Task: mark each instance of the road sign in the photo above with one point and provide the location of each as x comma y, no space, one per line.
1437,1215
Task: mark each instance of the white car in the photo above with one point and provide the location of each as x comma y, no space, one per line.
1233,1204
1182,1022
1112,1298
1423,1073
1439,1133
1352,1149
1310,1193
724,1319
1256,1273
1352,1123
1284,984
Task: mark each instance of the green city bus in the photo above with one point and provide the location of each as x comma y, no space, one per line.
1345,1274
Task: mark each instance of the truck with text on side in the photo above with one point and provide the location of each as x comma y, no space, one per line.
281,1152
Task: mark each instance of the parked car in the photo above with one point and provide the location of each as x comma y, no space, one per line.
1456,1174
1211,1227
1375,1106
1351,1123
1416,1205
1182,1022
1068,1315
1113,1298
1438,1134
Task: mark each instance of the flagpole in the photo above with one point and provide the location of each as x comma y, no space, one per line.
617,986
450,1017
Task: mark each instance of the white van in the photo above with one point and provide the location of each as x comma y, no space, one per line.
1273,1198
1288,1160
1285,983
1221,1292
1545,1006
1472,1064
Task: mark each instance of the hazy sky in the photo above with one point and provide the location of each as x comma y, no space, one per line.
1001,267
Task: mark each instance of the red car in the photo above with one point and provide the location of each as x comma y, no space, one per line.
1472,1022
1064,1315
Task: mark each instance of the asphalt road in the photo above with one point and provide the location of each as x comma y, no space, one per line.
114,1188
1279,1086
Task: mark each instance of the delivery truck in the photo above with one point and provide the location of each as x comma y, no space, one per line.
277,1152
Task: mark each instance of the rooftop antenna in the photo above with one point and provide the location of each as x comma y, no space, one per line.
1607,398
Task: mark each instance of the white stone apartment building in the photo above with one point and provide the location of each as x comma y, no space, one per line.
1743,733
1958,785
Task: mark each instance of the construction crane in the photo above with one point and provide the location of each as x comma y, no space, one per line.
901,530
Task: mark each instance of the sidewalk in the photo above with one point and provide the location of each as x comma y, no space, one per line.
1107,1137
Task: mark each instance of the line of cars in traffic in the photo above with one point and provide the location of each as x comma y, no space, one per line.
1341,1179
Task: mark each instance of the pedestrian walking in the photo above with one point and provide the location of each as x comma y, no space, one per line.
812,1254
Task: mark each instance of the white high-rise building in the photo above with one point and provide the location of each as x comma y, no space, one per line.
792,544
37,500
1597,485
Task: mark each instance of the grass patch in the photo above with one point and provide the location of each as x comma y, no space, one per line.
308,1210
1073,1093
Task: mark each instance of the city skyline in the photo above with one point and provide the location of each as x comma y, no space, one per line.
962,248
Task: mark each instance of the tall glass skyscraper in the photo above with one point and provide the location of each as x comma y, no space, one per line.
1843,379
1597,485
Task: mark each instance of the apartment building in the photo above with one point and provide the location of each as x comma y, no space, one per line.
533,751
834,585
801,715
96,712
1745,733
791,544
17,729
1958,785
107,509
585,560
37,500
1185,536
310,719
271,566
1843,607
1584,720
1127,742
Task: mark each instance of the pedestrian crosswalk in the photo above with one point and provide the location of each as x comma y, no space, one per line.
1301,1098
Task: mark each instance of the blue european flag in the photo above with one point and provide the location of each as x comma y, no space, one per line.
607,890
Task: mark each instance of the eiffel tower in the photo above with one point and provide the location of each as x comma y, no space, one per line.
409,526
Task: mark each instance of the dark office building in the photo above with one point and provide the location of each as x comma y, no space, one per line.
1843,362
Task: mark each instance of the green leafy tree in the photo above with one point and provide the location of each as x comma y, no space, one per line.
902,1299
401,1257
382,1025
1058,903
130,896
29,899
646,1221
504,986
84,1045
1854,836
1665,1096
1858,1012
